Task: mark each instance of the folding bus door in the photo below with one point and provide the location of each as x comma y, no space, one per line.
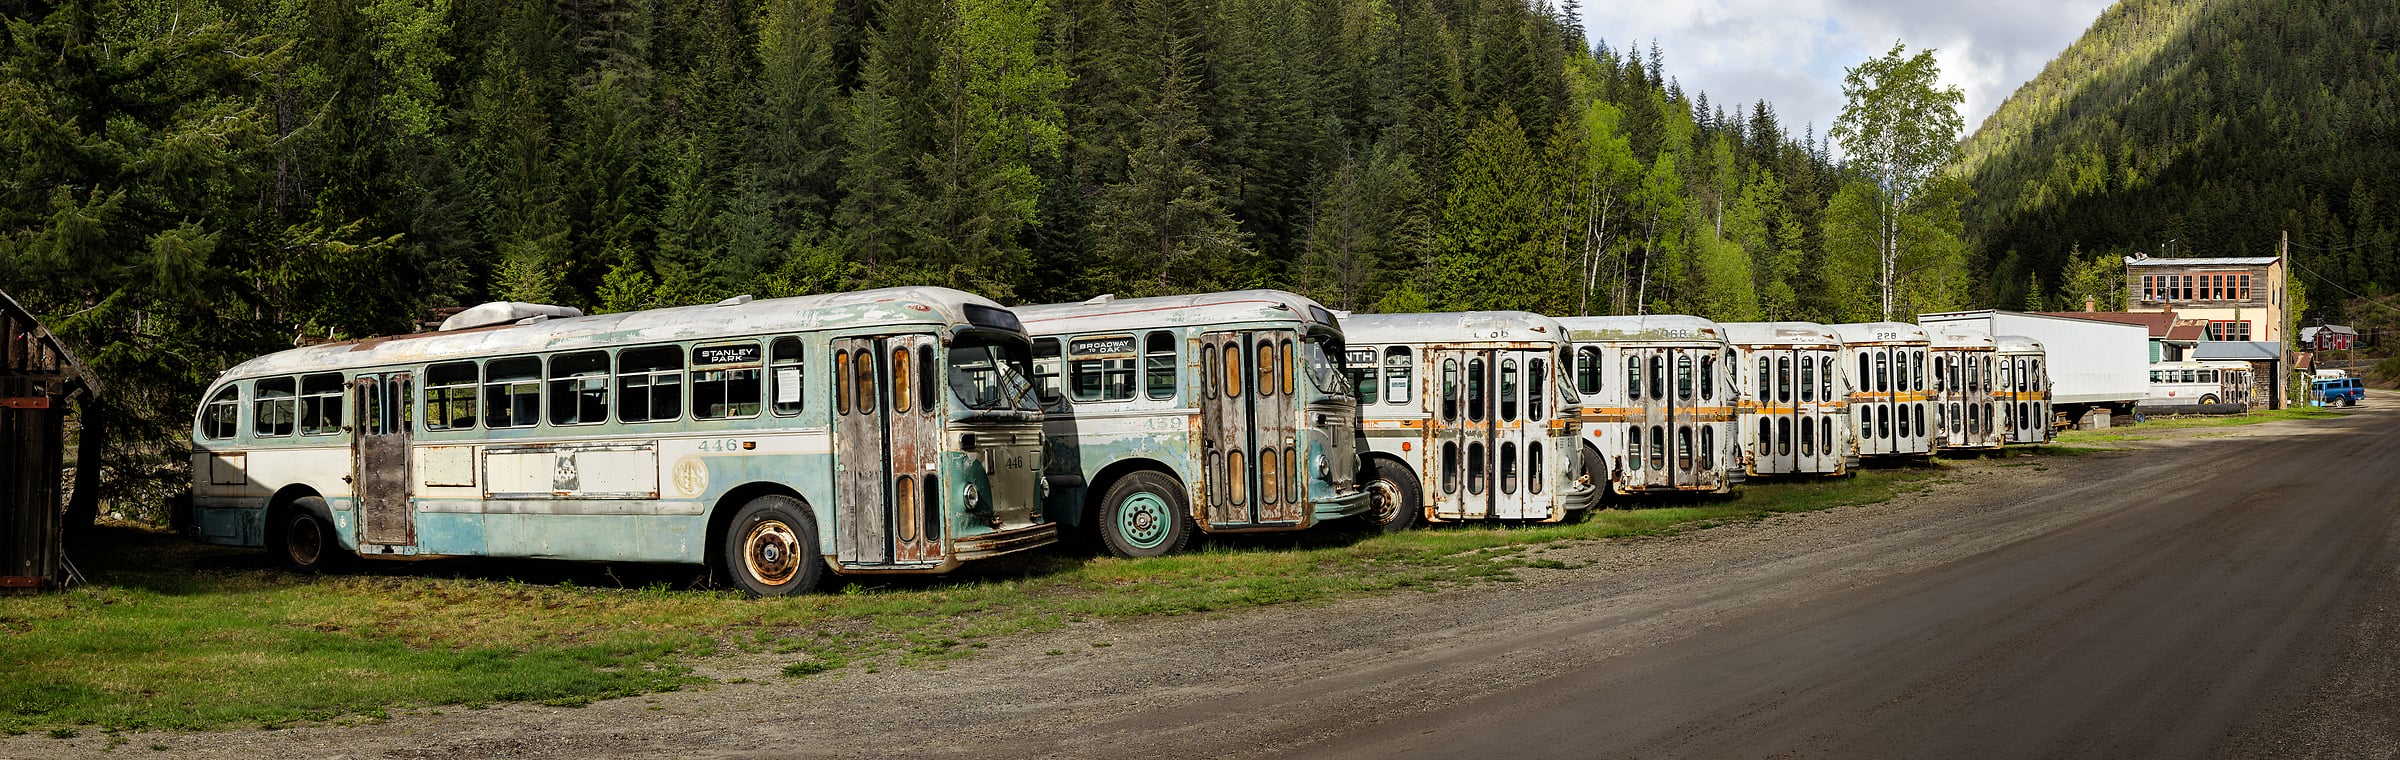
887,452
1464,433
1690,432
1249,409
1819,445
1778,438
1519,431
379,453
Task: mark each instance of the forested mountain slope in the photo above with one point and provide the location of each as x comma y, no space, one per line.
189,183
2200,128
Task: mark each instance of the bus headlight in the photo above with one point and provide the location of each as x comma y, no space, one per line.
1324,472
1045,479
974,497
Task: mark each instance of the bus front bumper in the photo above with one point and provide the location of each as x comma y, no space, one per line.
1339,506
1579,499
997,543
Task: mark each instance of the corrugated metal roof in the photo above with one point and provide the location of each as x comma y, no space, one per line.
2254,261
1453,327
2238,350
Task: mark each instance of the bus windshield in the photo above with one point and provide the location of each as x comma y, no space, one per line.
1320,357
990,373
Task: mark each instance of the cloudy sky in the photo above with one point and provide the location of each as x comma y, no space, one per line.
1791,53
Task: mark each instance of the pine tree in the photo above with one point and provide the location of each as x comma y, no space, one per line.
1165,222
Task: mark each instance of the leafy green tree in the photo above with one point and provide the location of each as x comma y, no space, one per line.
1900,129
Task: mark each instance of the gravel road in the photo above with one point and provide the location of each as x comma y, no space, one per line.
2230,592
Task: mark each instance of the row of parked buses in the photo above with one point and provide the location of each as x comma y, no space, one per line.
908,430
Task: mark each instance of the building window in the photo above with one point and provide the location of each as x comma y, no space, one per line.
2228,330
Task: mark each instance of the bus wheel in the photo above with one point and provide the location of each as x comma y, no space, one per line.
770,548
307,538
2209,399
1144,515
1397,494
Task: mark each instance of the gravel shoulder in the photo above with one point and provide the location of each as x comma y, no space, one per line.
1333,678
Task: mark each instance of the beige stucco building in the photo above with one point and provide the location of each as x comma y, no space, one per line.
2239,298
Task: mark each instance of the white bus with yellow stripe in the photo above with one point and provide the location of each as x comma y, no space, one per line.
1795,403
1966,371
1465,416
1888,388
1659,402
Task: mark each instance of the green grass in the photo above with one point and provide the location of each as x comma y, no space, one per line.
2161,424
177,636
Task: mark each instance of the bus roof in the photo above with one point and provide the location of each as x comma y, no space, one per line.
909,305
1452,327
1109,313
1650,328
2019,344
1956,336
1871,332
1794,334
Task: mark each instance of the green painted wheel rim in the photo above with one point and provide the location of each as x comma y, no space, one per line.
1142,520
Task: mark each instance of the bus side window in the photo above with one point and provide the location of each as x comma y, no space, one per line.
649,384
1045,369
1537,374
221,417
579,388
785,364
1366,380
450,396
1449,389
723,392
1588,370
1398,369
1158,364
1633,377
1108,375
512,392
275,411
321,404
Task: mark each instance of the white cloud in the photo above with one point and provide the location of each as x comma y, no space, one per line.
1791,53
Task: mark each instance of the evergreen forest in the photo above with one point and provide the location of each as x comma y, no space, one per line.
190,183
2199,128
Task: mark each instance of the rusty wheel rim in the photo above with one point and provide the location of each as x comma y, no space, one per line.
1386,497
306,542
772,552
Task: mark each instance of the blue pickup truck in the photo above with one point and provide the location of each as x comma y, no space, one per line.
2346,391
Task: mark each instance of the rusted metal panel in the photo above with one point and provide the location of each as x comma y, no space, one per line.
380,456
1275,426
862,515
1225,409
911,414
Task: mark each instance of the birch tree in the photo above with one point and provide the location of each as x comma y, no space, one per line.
1899,129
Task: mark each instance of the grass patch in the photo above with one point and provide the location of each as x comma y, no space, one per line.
177,636
2162,423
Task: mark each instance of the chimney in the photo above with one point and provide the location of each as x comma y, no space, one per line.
2090,304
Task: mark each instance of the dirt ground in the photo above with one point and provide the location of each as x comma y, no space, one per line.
2231,591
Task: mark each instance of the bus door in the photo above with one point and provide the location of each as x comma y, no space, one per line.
1693,409
1812,418
1249,410
1871,406
1488,433
887,448
382,404
1776,450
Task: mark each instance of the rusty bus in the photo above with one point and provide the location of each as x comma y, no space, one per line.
1179,415
1795,416
1965,377
1659,402
882,431
2024,394
1480,406
1886,362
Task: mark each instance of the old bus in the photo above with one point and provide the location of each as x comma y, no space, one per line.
2190,383
884,431
2024,393
1659,401
1467,416
1888,388
1795,405
1966,370
1215,413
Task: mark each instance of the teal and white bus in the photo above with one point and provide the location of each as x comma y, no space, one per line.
1467,416
883,431
1213,413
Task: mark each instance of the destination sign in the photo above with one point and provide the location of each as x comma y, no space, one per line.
1361,357
740,353
1120,346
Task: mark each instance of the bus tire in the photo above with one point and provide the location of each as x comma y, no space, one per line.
1398,496
2209,399
1144,514
770,548
306,540
1595,471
